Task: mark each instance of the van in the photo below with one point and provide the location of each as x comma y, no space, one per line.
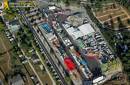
99,80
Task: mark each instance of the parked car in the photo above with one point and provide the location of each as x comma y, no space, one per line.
23,59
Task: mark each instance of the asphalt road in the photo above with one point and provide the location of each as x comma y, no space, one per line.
32,68
48,56
45,68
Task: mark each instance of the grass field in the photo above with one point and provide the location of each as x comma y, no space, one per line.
43,75
112,12
112,66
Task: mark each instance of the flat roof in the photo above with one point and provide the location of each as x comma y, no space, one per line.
69,63
74,32
52,7
86,29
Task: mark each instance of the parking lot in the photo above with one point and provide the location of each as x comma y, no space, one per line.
92,49
91,43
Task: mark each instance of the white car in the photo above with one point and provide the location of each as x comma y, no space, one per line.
11,39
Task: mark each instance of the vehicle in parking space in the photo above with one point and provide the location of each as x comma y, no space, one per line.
85,20
7,33
99,80
98,36
67,42
11,39
119,36
23,59
34,79
94,41
100,39
35,59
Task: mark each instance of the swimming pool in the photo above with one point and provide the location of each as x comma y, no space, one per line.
46,27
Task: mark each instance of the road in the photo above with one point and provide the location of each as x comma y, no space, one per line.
83,8
54,55
48,56
108,77
45,67
85,14
31,66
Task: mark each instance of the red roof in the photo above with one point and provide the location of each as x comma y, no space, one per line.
69,63
77,53
92,57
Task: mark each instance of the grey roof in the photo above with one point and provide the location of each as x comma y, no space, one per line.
17,80
1,82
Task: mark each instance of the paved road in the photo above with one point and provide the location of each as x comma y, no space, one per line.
48,56
45,67
94,25
32,67
85,14
98,30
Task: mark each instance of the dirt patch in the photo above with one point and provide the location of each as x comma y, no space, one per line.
108,12
5,64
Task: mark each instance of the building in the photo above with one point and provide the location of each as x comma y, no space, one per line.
16,80
14,28
1,82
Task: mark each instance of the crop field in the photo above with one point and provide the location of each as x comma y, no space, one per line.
5,49
112,12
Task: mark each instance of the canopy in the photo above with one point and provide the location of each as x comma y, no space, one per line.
69,63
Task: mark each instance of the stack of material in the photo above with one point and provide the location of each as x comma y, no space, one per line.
75,20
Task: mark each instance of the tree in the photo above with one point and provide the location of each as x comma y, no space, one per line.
120,23
111,22
128,21
67,2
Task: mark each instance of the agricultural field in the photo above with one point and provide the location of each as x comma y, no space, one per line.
113,12
43,75
5,48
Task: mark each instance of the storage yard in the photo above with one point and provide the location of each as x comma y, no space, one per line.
74,45
83,50
63,44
